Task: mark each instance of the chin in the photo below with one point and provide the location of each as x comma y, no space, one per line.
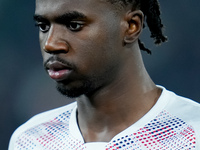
73,92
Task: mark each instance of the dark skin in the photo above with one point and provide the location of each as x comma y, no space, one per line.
101,46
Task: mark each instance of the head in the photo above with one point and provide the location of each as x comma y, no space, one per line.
86,43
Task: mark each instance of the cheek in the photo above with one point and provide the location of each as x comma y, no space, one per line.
97,48
42,50
95,58
42,42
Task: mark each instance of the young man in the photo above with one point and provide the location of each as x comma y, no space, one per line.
91,48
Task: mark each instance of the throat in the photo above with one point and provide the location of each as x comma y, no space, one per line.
103,126
93,133
103,122
92,136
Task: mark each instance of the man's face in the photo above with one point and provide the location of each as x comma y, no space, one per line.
81,43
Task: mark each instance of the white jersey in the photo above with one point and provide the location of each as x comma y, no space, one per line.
172,124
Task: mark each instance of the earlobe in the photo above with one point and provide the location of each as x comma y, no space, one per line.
135,25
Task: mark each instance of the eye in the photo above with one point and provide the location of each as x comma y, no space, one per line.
75,26
44,27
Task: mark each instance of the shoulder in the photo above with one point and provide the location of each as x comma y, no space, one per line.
188,110
47,115
42,118
184,107
181,106
182,112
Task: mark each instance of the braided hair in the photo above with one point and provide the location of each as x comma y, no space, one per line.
151,10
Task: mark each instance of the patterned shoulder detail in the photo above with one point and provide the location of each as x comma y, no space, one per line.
165,132
48,135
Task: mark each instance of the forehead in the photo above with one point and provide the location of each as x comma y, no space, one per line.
58,7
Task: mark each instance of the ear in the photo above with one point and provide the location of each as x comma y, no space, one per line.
134,20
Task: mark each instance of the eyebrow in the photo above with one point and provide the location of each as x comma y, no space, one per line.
70,16
66,17
39,18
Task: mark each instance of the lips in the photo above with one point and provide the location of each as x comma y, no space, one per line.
57,70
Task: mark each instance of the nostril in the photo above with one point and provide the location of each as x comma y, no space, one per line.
56,52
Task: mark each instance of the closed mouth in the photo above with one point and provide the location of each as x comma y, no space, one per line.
57,70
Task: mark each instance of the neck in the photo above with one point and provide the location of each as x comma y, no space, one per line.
118,105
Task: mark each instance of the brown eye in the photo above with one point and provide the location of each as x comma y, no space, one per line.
75,26
44,27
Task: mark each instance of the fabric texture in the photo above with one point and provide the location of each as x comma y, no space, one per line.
172,124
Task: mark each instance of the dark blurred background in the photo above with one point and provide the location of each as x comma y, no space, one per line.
26,90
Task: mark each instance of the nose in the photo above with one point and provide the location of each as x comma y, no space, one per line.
55,42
